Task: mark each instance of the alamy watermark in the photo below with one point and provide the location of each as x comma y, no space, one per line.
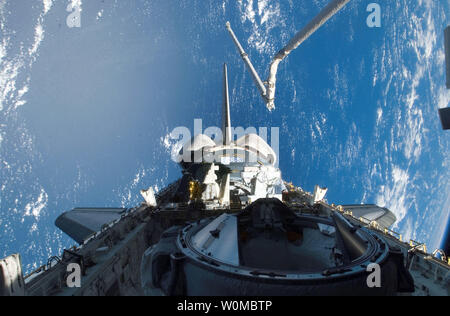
249,144
374,278
74,18
374,18
74,277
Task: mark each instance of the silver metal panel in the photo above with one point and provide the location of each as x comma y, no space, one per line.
11,277
219,239
381,215
80,223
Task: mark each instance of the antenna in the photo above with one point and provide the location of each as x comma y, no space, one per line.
267,88
226,122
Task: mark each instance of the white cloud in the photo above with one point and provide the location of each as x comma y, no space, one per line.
8,74
38,37
76,3
99,14
129,194
340,92
263,17
23,91
249,12
171,145
3,48
379,115
12,66
394,195
423,45
33,228
408,232
443,98
35,208
138,177
47,5
349,152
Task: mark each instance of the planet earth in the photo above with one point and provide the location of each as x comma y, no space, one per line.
90,92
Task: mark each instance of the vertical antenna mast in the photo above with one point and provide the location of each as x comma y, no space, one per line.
226,121
267,88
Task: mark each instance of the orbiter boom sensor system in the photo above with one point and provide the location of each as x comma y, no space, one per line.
267,88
